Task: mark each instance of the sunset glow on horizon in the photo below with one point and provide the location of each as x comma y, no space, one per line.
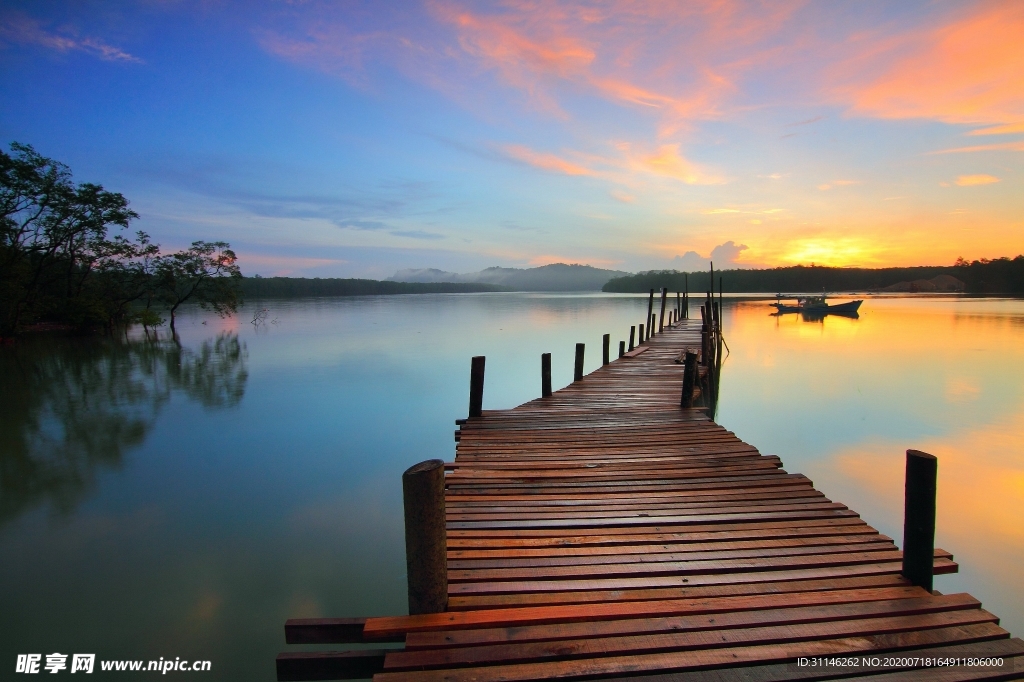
356,139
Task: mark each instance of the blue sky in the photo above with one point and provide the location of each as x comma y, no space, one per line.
355,139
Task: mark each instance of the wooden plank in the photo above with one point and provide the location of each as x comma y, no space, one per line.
390,626
825,606
702,658
461,603
1011,650
682,640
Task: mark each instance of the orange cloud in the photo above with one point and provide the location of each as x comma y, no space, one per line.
1007,129
973,180
544,161
665,161
970,70
668,162
1004,146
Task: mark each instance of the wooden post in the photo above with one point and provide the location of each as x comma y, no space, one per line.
679,306
577,373
545,374
476,387
689,376
426,549
721,306
661,320
686,296
919,518
641,337
632,334
622,348
650,327
605,350
650,311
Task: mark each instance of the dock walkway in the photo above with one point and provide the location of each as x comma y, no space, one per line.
604,532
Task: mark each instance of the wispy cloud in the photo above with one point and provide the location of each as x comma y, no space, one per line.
624,165
22,29
974,180
545,161
1002,146
1008,129
805,122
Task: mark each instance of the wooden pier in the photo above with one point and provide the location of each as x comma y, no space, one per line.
604,532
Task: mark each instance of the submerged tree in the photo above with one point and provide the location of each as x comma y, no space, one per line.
206,273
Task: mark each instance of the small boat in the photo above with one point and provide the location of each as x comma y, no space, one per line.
816,305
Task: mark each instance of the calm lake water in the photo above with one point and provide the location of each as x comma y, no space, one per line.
165,501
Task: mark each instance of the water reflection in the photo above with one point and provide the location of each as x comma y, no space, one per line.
68,410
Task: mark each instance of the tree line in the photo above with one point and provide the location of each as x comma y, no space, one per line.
60,264
293,287
999,276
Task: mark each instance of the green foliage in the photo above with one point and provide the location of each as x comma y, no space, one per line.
59,265
997,276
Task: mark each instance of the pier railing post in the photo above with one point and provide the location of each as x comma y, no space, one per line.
426,551
622,348
689,377
641,333
650,327
606,341
476,387
545,374
577,373
647,320
661,320
632,334
919,518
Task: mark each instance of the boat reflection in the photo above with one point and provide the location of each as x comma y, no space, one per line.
818,315
69,408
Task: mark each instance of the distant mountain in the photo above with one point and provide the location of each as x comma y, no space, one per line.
555,277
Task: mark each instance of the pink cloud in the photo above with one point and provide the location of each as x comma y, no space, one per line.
19,28
545,161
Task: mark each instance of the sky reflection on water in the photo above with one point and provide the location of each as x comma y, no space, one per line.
185,502
841,400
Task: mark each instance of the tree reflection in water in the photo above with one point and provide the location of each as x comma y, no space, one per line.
68,408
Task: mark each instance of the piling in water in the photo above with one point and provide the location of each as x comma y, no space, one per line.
426,552
919,518
545,374
476,386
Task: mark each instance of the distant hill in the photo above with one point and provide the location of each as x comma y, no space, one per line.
555,277
938,283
